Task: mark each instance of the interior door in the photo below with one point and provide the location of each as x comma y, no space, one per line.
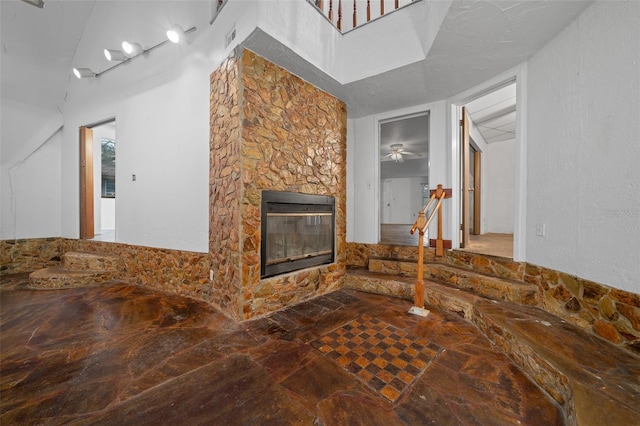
86,183
464,171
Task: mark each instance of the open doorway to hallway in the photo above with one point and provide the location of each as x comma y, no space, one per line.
98,181
488,173
404,176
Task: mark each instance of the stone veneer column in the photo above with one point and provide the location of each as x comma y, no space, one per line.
270,130
224,188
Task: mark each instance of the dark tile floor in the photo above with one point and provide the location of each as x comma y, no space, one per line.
120,354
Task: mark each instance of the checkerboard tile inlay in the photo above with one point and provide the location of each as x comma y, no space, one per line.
386,358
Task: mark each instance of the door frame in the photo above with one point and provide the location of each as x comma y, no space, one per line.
87,225
417,111
87,230
519,75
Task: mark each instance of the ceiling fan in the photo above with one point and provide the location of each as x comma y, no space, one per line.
397,153
36,3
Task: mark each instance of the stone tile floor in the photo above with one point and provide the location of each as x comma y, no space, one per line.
121,354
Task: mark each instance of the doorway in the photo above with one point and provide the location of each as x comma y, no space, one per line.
404,175
98,181
487,165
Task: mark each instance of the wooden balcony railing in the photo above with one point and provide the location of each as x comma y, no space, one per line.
363,11
421,225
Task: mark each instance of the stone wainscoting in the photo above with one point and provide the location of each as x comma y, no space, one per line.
608,312
26,255
175,271
270,130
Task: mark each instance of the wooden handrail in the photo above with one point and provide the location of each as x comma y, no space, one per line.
421,224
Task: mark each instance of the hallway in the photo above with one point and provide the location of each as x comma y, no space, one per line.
116,354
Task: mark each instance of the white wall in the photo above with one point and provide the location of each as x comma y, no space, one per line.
351,194
583,147
363,176
29,171
161,105
498,190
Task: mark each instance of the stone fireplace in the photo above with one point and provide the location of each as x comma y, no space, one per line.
271,132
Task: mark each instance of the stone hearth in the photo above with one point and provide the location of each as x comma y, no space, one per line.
270,130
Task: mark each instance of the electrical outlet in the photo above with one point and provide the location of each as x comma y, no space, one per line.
210,274
541,229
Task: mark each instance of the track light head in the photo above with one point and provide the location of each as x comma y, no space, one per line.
131,49
83,73
175,33
114,55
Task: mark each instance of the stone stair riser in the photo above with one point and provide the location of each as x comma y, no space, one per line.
494,288
78,269
60,281
386,287
79,261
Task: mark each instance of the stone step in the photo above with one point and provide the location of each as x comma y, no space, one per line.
447,298
57,277
593,380
87,261
481,284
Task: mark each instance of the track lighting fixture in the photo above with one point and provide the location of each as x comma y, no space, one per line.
132,50
114,55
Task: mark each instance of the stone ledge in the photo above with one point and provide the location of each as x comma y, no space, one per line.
58,277
88,261
485,285
608,312
601,381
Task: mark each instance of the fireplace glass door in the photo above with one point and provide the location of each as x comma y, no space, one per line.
297,232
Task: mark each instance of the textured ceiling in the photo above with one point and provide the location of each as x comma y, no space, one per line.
494,114
477,40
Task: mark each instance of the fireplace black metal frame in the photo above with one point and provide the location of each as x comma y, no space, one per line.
293,202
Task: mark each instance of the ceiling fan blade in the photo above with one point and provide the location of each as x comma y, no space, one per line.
36,3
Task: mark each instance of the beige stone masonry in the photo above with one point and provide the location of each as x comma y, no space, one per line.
270,130
608,312
27,255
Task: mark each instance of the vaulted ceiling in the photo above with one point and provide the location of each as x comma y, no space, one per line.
477,40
